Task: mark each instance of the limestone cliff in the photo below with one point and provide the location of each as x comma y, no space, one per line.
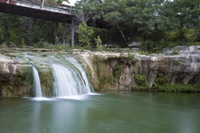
15,77
107,71
116,71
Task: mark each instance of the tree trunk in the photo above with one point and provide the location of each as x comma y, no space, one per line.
56,34
72,33
121,32
64,33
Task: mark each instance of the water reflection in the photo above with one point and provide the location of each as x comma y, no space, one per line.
35,118
108,113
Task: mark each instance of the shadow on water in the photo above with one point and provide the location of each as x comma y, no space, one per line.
112,112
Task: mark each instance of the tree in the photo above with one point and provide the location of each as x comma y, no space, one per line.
86,9
112,13
85,34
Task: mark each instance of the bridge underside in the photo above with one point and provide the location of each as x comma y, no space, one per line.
35,13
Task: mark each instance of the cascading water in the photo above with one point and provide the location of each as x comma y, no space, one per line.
83,74
70,79
37,85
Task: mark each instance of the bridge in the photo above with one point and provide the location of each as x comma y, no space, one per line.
40,9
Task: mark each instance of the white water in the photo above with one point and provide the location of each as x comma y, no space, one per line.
70,79
37,85
83,74
86,58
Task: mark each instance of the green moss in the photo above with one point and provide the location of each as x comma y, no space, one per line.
108,80
19,84
25,76
46,79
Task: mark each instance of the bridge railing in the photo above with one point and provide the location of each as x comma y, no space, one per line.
41,4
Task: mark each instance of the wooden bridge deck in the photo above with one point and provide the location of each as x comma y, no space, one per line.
37,9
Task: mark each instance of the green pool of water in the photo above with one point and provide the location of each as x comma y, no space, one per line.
116,112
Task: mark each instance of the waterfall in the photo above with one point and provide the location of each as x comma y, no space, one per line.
37,86
87,85
70,79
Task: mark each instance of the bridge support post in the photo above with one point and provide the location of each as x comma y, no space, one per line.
72,32
56,34
64,33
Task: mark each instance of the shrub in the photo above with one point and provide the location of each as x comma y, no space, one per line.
162,84
117,71
140,88
140,79
141,83
85,34
179,88
4,46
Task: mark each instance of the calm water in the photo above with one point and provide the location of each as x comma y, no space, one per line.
107,113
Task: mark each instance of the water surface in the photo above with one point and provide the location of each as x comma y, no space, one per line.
116,112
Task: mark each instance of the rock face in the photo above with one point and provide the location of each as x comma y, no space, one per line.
15,78
116,71
106,70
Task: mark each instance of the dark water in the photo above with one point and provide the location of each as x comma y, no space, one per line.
108,113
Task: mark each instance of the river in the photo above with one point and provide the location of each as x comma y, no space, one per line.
110,112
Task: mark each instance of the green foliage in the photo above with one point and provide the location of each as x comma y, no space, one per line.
4,46
117,71
46,79
187,35
140,79
141,83
130,54
25,76
85,34
98,43
151,46
179,88
159,82
156,23
175,52
99,48
102,48
161,79
140,88
162,84
108,80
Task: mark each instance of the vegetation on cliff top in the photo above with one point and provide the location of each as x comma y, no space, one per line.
156,24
